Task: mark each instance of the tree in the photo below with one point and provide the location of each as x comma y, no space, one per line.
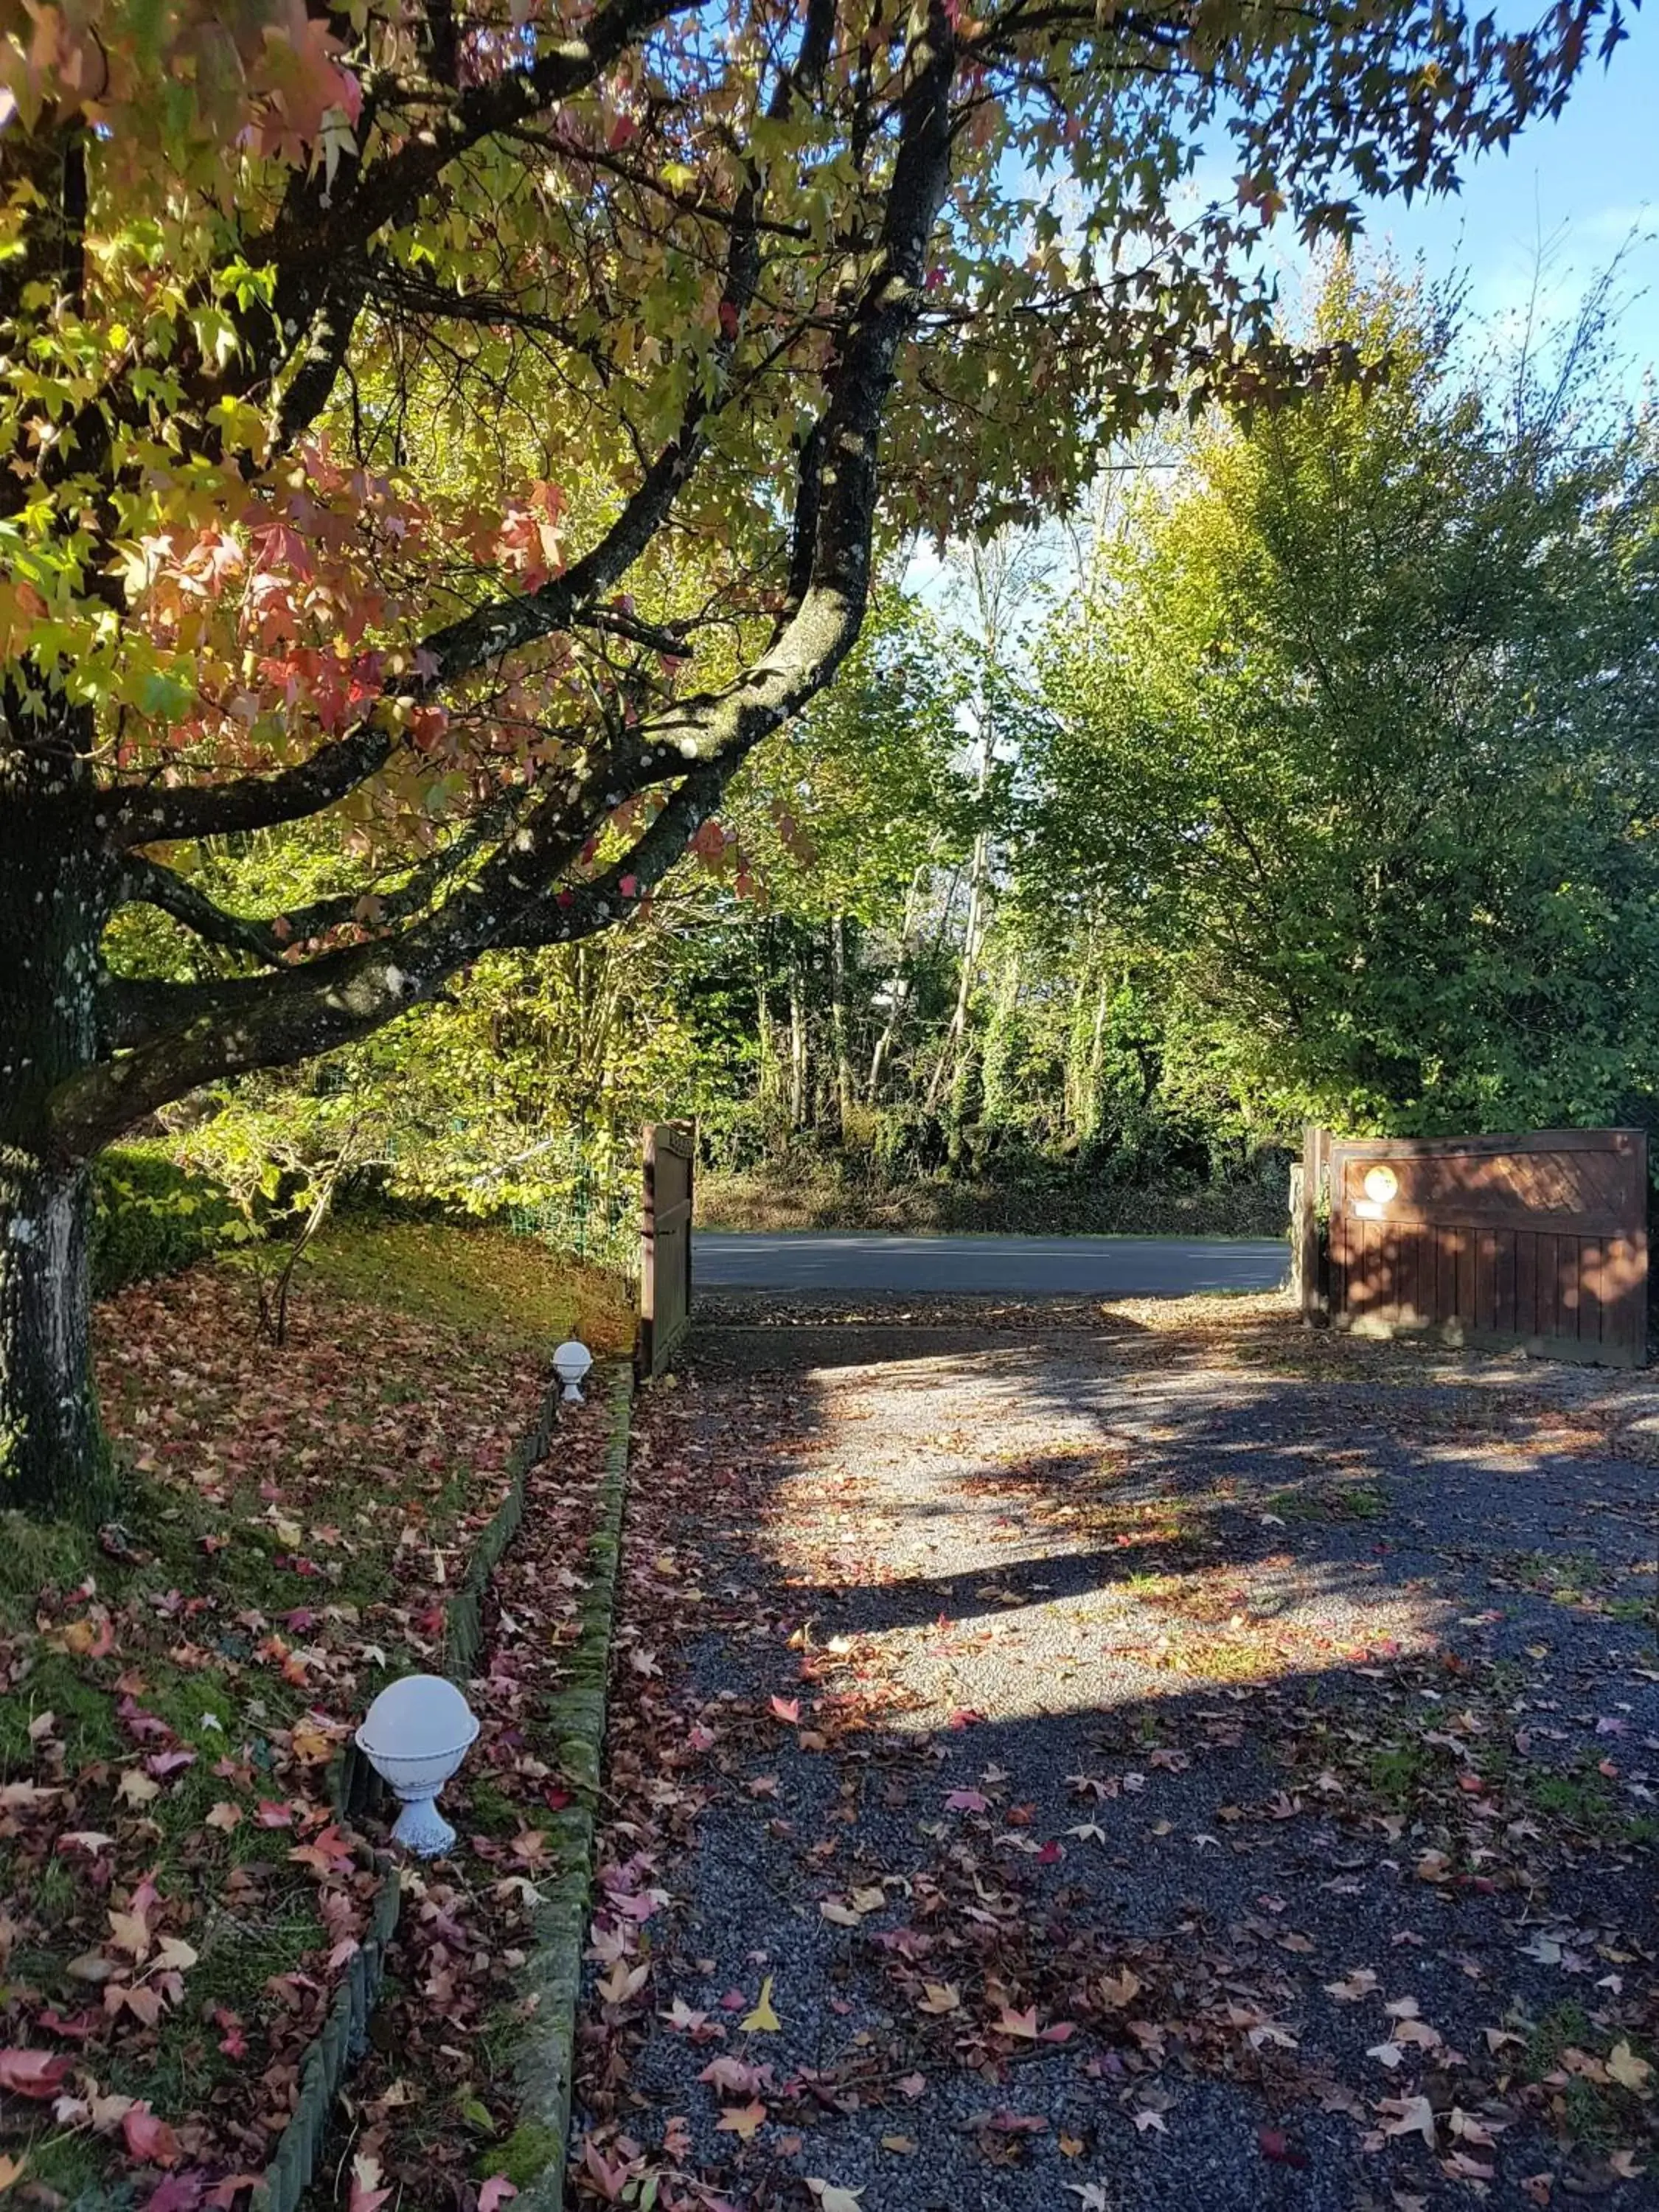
372,374
1358,739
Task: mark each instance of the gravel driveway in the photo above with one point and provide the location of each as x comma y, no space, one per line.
1169,1761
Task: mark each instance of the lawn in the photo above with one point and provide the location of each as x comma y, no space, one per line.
177,1898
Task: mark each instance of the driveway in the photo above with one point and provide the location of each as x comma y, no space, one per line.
1181,1763
1016,1266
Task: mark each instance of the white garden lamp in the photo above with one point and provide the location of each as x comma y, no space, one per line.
570,1362
414,1734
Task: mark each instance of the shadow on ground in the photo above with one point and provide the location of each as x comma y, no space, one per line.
1153,1776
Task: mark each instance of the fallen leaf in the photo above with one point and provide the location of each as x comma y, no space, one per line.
741,2119
831,2197
366,2194
762,2020
1630,2072
149,2138
1412,2116
32,2073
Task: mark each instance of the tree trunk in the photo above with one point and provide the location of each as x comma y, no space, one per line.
845,1088
797,1045
972,935
52,1459
898,990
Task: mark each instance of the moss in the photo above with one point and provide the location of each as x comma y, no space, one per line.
528,2151
1398,1772
36,1555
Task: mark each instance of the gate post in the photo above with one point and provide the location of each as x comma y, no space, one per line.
668,1166
1308,1271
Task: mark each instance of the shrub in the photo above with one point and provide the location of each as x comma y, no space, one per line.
151,1217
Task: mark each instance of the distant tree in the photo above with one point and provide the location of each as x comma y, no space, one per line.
1360,732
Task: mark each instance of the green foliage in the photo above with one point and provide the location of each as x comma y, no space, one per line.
1354,739
152,1216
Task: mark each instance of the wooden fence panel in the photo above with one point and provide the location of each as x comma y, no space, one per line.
1537,1240
665,1242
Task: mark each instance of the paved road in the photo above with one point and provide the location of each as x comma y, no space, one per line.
1013,1266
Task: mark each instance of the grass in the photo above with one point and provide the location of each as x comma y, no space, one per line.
291,1524
521,1290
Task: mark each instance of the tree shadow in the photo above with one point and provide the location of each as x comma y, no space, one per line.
1258,1706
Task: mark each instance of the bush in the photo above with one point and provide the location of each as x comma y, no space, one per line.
151,1217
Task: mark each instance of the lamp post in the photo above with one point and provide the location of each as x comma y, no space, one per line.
570,1364
415,1735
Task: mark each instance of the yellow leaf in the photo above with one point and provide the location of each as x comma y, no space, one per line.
762,2020
1630,2072
939,1997
11,2170
740,2119
129,1932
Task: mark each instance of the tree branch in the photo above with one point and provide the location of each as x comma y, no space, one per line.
296,1013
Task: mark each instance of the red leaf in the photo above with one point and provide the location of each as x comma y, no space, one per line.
1275,2144
32,2073
175,2192
148,2138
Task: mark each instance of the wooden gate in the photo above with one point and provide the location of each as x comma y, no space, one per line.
665,1242
1540,1241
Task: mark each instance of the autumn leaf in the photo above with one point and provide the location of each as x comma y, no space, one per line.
938,1997
496,2192
1411,2116
148,2138
1359,1982
831,2197
762,2020
1630,2072
366,2194
624,1981
11,2170
741,2119
787,1709
32,2073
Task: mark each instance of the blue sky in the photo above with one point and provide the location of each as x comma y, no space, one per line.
1577,188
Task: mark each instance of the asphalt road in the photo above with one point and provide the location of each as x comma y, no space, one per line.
1013,1266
